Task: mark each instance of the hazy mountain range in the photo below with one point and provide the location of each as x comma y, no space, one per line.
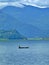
28,21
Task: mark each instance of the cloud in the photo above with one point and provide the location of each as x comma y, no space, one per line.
36,3
3,5
21,3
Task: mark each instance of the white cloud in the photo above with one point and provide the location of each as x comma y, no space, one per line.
19,3
3,4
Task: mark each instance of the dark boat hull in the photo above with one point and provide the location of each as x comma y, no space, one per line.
23,47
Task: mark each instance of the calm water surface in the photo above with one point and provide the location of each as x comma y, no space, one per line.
36,54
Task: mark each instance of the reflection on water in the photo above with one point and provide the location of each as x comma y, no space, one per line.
36,54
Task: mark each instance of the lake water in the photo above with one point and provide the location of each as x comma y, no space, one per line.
36,54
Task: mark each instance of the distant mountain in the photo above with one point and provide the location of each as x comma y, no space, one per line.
32,15
28,21
10,35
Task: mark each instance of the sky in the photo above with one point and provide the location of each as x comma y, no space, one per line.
21,3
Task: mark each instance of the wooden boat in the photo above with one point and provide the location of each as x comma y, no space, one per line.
23,47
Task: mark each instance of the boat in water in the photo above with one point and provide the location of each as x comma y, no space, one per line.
23,47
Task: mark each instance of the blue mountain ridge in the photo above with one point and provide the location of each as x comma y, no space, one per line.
7,31
28,21
10,35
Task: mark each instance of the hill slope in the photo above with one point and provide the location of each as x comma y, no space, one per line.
10,35
29,21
